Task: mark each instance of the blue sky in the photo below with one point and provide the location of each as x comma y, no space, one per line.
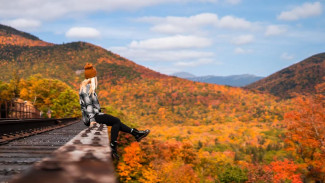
203,37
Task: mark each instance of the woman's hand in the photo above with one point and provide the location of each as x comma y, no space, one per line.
92,123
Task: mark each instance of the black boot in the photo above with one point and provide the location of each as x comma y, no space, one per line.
139,134
114,151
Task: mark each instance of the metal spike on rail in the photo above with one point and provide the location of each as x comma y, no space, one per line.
85,158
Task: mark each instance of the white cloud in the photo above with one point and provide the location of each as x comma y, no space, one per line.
194,63
303,11
82,32
199,19
286,56
22,23
231,22
160,55
180,25
272,30
243,39
239,50
41,9
173,42
168,29
233,1
170,49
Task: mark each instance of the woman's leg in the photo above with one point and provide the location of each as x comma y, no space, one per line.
116,124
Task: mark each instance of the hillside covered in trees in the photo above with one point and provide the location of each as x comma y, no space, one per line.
153,97
301,78
11,36
200,132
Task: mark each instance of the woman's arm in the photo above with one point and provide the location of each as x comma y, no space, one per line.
87,103
95,102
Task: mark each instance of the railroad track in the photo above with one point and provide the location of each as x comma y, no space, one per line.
12,129
24,142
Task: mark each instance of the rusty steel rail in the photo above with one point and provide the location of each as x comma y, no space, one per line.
85,158
12,129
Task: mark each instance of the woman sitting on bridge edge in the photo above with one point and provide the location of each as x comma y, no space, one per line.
91,112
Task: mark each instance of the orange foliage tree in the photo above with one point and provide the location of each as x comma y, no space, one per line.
275,172
129,168
306,133
284,171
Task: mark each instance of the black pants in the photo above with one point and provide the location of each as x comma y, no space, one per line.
115,122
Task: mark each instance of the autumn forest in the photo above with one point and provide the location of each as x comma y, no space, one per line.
270,131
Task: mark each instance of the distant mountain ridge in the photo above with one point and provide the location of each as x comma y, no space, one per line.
183,75
11,31
9,35
232,80
300,78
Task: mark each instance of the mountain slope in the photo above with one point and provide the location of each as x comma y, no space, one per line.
301,78
66,62
9,35
146,96
233,80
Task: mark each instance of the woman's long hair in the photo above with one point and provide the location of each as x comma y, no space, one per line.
93,85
